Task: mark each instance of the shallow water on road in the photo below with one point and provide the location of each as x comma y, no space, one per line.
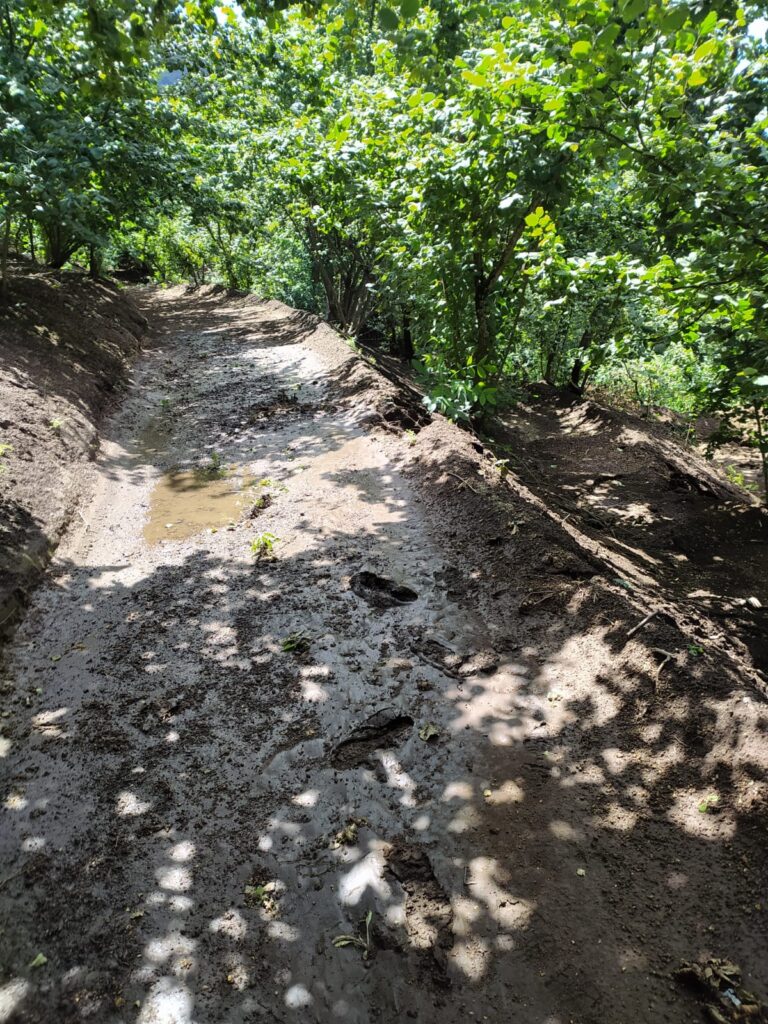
184,502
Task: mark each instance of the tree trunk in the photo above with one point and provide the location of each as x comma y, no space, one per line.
403,346
334,311
224,253
549,368
762,442
31,231
484,339
356,301
577,382
59,246
17,239
4,244
94,262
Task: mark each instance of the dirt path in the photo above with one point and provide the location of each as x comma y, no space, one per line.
218,764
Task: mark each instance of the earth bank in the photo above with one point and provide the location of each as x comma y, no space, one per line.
66,343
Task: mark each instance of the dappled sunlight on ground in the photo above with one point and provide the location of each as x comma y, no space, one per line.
267,789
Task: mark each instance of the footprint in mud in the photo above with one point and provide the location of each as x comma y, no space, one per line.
428,911
385,729
380,591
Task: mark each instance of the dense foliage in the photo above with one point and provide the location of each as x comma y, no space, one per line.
566,189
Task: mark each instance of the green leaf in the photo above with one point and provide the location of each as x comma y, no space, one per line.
705,50
633,9
623,583
409,8
40,960
474,78
675,19
709,23
697,78
388,19
762,382
609,35
581,48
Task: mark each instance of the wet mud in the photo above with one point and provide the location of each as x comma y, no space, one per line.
348,781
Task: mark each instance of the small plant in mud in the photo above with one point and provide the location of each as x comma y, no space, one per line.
56,425
214,469
429,732
710,804
363,941
347,836
263,895
165,405
274,484
4,449
297,643
410,436
262,545
260,504
695,650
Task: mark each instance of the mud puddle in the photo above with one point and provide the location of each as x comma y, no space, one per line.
185,502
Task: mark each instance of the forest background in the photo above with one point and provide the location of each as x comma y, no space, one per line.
565,190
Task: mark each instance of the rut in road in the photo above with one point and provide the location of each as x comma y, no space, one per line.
223,760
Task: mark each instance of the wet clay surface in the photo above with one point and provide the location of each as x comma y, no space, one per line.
419,724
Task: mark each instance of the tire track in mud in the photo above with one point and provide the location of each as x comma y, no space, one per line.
219,764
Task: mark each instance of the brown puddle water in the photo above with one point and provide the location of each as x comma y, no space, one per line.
187,501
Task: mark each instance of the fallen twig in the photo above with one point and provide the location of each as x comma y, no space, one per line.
667,657
437,665
641,623
466,483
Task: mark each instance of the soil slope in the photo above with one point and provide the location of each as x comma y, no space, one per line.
65,346
416,761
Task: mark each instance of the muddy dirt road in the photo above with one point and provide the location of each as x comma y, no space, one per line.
218,765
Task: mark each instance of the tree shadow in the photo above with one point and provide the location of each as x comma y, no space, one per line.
185,843
664,518
24,552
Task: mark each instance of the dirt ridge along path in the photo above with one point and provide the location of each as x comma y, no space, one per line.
375,776
66,347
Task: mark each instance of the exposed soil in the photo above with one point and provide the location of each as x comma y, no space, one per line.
65,347
427,715
668,522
